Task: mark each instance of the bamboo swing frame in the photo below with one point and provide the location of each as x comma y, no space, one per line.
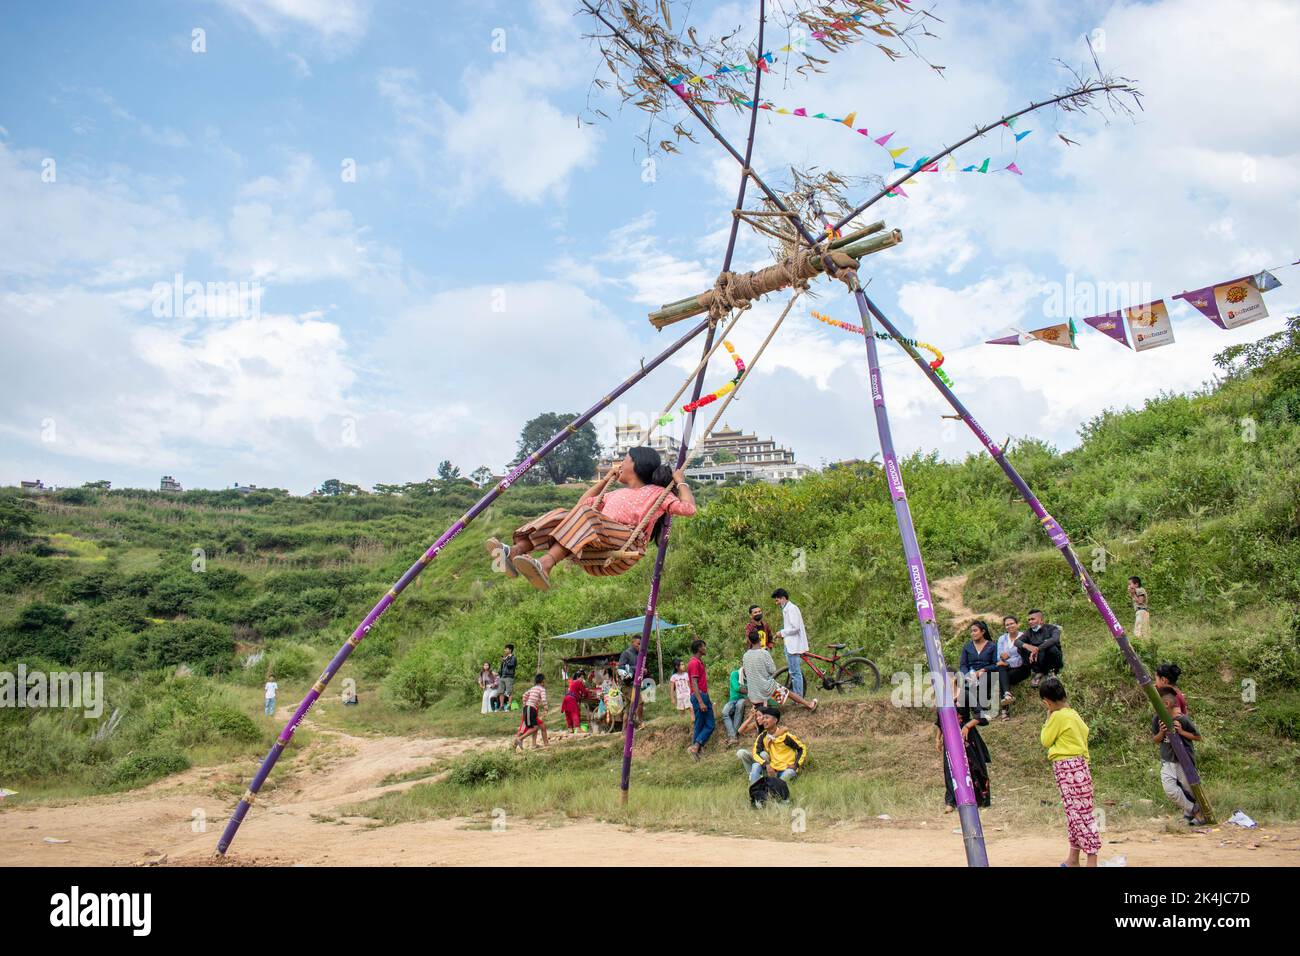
835,264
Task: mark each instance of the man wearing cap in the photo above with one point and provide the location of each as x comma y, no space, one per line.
776,751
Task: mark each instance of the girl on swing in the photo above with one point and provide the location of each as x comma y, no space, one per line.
600,523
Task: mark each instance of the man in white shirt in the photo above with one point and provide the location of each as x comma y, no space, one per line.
271,688
794,636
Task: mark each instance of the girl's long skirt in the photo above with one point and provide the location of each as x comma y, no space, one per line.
977,759
586,533
1074,780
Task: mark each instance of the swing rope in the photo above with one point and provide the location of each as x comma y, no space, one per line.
613,469
627,552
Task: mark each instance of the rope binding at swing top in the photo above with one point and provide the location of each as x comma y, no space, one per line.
935,365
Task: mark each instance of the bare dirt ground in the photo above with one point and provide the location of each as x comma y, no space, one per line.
948,593
301,823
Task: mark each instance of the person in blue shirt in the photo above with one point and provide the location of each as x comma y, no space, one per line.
979,663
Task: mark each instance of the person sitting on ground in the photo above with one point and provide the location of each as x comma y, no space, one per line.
754,623
776,751
576,695
488,683
1041,644
1065,736
1012,668
761,687
614,702
970,716
979,661
600,523
1172,776
733,713
681,682
534,706
1167,675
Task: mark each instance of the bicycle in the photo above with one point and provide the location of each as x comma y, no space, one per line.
842,673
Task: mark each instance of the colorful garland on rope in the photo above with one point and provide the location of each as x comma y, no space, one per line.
715,395
935,365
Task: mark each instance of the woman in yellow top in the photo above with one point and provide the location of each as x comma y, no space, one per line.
1065,736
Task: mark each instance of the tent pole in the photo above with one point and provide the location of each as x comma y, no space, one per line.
1062,543
282,741
652,604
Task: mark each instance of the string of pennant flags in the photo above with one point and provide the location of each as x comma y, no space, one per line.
1229,305
922,165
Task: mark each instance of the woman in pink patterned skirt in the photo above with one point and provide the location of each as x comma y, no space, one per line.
1065,736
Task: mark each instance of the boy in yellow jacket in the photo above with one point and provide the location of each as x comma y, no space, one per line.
776,751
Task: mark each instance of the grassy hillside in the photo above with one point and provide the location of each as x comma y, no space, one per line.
1199,494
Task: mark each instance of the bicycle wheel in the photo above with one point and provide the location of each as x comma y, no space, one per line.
783,677
856,674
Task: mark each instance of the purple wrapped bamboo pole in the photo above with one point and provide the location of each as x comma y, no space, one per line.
1062,543
282,741
652,603
953,744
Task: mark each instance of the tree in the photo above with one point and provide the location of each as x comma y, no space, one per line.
723,457
15,520
447,471
481,475
388,489
576,458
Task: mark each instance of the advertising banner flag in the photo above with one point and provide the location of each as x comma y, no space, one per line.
1149,325
1112,324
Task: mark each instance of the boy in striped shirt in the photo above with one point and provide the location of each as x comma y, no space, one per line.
533,706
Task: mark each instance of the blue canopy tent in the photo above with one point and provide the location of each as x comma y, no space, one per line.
630,625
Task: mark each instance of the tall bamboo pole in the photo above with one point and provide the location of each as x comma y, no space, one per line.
953,743
1062,543
629,725
282,741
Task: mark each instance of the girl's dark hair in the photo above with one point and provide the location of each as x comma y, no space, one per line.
649,467
1169,672
984,629
1052,689
677,662
579,675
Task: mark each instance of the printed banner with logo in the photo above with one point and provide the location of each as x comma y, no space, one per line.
1230,305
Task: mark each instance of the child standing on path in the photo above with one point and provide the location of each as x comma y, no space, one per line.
533,706
1065,736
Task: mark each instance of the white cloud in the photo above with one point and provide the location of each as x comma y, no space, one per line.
508,135
336,26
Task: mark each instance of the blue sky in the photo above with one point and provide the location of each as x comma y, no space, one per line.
492,258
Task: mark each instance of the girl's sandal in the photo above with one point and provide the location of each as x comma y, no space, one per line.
495,547
532,570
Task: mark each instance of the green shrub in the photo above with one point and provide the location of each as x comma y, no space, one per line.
486,769
136,769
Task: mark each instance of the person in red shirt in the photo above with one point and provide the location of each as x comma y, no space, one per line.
573,700
700,703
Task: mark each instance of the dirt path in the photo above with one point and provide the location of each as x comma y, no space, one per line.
300,823
948,593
